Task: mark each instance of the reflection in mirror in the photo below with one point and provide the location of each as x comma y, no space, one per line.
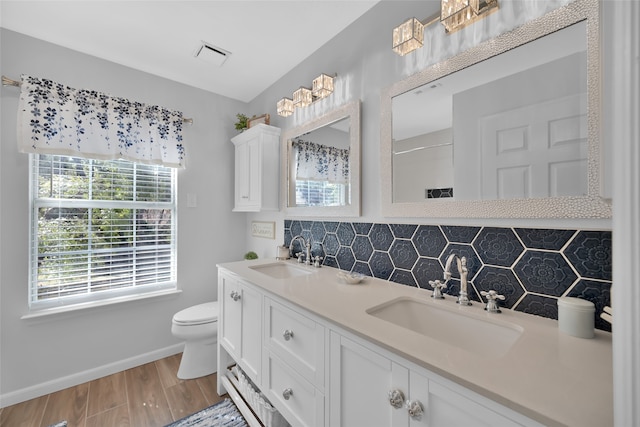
322,159
516,125
320,166
508,128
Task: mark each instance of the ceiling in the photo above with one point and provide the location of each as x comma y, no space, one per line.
265,38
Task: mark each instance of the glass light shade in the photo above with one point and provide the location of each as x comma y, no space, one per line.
284,107
457,14
408,36
302,97
322,86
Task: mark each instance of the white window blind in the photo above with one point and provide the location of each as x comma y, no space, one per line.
100,229
320,193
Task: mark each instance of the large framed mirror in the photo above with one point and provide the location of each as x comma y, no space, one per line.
507,129
321,165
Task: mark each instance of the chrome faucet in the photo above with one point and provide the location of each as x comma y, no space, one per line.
461,262
305,245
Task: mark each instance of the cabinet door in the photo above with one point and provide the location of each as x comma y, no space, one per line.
248,175
360,382
230,315
241,326
449,408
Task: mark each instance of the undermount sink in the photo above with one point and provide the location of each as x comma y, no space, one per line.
281,270
477,334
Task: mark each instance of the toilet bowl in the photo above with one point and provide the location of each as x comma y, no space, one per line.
198,327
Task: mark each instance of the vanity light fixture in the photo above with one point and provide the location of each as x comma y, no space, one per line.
322,87
454,15
457,14
302,97
408,36
284,107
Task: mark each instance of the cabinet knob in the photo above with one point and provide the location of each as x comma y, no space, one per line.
287,393
235,295
288,334
415,409
396,398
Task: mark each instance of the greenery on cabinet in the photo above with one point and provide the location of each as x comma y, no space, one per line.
241,124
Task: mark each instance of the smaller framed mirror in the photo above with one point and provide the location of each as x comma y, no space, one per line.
321,165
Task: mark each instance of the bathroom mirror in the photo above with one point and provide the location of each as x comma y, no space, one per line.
321,166
507,129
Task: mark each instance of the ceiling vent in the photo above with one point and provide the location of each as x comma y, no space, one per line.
212,54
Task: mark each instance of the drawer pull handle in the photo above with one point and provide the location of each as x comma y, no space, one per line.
415,409
287,393
396,398
288,334
235,295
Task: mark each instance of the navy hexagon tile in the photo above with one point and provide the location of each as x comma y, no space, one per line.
427,269
544,273
403,254
501,280
590,254
345,258
331,244
381,237
362,248
403,231
381,265
460,234
403,276
345,234
362,227
539,238
498,246
531,267
539,305
317,231
429,241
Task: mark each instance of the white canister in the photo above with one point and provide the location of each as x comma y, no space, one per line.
576,317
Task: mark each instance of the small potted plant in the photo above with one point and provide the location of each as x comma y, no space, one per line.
251,255
241,124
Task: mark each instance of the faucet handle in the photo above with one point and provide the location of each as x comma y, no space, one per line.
437,286
317,261
492,303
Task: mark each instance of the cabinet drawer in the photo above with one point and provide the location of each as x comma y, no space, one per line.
296,398
297,340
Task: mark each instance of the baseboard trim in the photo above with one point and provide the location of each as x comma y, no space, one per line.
31,392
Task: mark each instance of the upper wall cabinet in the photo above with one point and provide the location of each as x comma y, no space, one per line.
257,180
506,129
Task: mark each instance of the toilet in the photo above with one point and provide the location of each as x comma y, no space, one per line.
198,327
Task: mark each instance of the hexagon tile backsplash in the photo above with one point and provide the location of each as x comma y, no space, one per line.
530,267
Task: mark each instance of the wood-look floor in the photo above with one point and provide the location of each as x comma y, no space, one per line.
150,395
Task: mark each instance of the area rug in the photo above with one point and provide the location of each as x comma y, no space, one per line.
222,414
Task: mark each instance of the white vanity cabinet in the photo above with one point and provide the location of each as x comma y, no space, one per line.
294,364
240,325
369,387
257,168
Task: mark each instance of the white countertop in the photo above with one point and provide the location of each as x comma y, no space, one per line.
546,375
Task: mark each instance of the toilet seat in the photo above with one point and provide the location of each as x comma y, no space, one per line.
197,315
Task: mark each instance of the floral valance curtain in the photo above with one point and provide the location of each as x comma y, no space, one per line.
56,119
316,162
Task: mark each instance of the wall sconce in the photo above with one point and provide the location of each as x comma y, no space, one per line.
408,36
284,107
454,15
322,87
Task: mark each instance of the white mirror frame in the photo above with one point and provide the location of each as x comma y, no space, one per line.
590,206
351,111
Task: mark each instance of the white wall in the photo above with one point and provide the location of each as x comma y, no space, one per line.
58,348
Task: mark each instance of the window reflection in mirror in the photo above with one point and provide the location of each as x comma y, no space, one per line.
320,167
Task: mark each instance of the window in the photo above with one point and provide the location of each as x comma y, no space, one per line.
100,229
